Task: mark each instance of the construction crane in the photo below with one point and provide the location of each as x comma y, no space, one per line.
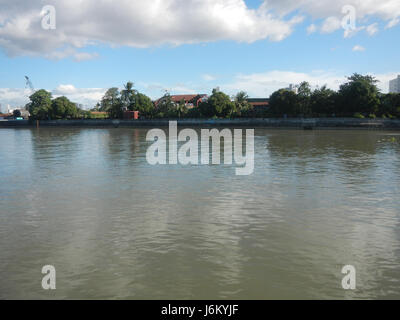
29,84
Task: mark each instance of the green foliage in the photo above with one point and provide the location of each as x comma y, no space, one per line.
128,96
323,101
218,104
359,94
304,93
144,105
17,113
358,97
62,108
96,116
242,106
193,113
284,102
390,104
40,105
181,109
112,103
165,108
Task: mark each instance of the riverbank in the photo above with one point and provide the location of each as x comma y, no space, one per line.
313,123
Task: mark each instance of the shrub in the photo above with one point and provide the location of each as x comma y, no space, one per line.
358,115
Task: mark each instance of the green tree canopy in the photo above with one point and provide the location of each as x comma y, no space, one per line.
144,104
62,108
40,104
359,94
323,101
243,107
390,104
304,98
111,103
128,96
283,102
218,104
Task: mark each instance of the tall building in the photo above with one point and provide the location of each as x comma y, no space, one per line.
394,85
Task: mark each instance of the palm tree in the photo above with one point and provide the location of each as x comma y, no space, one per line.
181,108
128,95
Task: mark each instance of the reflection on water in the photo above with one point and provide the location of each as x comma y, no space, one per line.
87,202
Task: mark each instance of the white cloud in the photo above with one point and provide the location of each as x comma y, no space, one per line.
13,97
138,23
392,23
208,77
372,29
311,29
348,33
358,48
134,23
322,9
330,12
331,24
64,89
88,97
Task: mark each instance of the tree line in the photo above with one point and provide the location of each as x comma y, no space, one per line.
358,97
44,107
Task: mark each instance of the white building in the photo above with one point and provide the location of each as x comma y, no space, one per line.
394,85
293,88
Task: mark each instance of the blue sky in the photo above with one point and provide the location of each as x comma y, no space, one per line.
248,45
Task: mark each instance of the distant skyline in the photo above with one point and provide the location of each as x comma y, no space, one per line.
192,46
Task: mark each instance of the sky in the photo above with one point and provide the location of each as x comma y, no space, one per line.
80,48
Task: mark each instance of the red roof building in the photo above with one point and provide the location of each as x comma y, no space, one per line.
191,100
259,103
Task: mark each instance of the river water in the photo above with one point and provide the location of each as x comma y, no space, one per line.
87,202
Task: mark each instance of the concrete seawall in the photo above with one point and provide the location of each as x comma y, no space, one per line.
315,123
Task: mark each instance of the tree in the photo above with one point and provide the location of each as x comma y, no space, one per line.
128,96
143,104
283,102
181,109
62,108
304,98
40,105
323,101
17,113
390,104
243,107
218,105
166,107
111,103
359,94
